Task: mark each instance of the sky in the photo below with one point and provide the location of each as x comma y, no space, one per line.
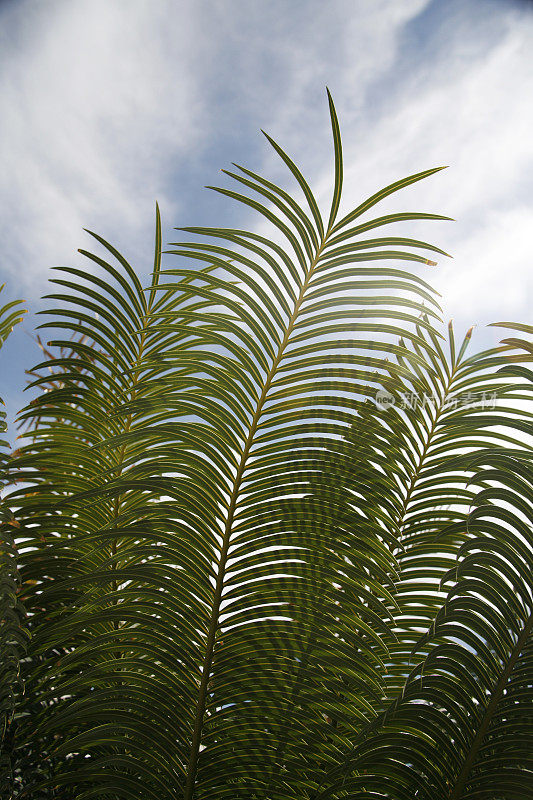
109,105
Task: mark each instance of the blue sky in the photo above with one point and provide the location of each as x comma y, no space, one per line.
108,105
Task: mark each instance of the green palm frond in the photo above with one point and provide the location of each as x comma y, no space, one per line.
10,315
514,342
12,629
461,726
72,567
248,573
416,456
201,625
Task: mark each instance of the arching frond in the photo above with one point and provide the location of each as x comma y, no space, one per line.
461,725
195,565
416,449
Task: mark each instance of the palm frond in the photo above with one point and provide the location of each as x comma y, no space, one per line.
416,454
196,570
461,726
12,627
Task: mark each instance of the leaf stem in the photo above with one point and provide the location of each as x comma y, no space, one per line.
214,621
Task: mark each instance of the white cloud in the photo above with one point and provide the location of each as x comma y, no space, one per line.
492,276
91,114
103,101
344,44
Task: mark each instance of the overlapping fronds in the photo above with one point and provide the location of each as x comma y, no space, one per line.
208,611
516,342
416,448
462,726
86,509
12,631
275,534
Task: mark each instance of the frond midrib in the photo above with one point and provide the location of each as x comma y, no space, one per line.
226,540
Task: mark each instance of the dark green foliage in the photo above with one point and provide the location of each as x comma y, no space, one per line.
243,578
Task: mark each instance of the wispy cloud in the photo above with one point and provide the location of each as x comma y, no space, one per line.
96,98
108,105
103,102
